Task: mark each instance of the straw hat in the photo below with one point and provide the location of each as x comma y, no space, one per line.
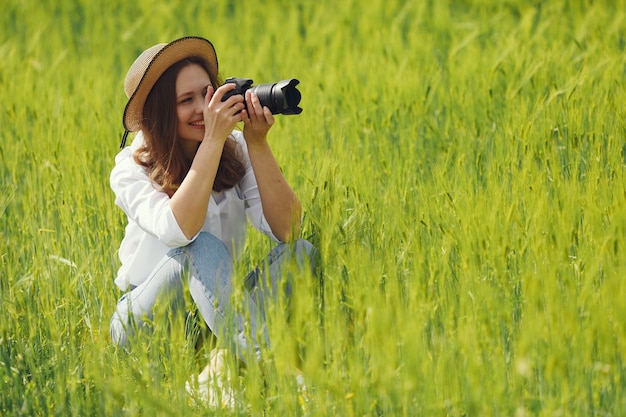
151,64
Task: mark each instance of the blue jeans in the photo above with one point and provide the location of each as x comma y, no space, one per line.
207,268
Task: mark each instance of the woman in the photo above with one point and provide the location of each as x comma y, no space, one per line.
187,183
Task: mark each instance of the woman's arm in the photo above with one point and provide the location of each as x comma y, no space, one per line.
190,202
281,206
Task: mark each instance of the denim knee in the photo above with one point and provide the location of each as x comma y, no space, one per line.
207,242
305,251
303,246
119,323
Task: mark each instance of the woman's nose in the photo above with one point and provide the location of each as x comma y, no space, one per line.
199,105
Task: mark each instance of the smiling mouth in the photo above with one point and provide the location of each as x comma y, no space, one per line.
198,123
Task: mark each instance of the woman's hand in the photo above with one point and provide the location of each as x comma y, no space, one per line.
220,117
257,120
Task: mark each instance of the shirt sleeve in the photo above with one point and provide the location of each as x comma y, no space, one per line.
142,202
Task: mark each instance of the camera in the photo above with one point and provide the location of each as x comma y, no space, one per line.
281,98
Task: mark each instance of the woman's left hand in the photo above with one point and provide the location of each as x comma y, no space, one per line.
257,119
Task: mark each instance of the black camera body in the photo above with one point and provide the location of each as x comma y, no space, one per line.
281,98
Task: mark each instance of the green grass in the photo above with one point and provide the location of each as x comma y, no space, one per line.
462,169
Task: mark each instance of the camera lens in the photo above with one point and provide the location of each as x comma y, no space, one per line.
281,97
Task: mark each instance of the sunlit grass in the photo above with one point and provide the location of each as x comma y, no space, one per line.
461,167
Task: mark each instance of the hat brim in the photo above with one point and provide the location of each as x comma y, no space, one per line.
170,54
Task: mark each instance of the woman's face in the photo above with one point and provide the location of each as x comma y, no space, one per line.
191,86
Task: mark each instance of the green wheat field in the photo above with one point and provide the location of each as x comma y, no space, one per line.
462,169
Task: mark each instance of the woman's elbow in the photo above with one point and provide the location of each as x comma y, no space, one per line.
290,230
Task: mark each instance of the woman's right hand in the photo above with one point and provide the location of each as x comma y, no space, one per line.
221,117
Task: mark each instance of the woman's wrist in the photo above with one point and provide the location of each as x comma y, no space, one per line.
260,143
211,143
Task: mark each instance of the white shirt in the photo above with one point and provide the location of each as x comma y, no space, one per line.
152,229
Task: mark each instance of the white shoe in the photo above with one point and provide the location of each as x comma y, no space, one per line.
213,386
303,395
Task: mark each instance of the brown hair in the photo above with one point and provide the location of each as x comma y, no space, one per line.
161,152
